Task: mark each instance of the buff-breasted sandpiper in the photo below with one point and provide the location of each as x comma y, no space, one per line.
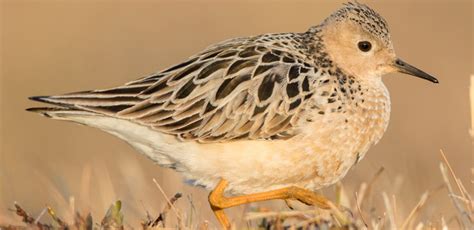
274,116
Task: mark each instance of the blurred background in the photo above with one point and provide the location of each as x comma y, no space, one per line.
53,47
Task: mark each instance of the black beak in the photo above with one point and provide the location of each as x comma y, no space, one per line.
404,67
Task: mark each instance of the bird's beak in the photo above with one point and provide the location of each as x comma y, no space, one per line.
404,67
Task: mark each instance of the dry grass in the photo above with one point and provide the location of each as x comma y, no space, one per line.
354,211
113,219
362,216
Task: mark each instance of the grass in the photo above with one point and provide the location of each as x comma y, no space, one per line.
354,212
365,218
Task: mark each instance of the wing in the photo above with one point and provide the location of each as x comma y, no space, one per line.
239,89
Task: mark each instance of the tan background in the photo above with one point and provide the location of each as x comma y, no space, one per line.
53,47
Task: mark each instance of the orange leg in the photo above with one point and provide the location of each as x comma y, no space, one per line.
219,202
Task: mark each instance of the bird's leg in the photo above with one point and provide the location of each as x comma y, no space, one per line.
219,202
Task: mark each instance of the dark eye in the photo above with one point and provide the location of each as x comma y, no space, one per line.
364,46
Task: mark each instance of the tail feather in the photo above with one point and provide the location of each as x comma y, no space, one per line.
60,113
84,102
64,110
105,101
49,100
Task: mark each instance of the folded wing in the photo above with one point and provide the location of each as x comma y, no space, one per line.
240,89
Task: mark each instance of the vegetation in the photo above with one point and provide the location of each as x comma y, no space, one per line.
353,212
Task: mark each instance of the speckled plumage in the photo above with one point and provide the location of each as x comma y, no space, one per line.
262,112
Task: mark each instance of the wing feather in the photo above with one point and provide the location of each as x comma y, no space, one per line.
239,89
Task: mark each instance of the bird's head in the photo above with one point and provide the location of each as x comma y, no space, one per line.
357,38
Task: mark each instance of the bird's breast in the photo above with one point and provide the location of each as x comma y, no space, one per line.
342,128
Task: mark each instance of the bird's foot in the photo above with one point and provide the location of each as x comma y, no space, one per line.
219,202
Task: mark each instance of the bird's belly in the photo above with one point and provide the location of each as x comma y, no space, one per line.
261,166
311,162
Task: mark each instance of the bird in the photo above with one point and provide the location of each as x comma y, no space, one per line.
272,116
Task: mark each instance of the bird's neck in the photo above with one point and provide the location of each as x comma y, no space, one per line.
317,51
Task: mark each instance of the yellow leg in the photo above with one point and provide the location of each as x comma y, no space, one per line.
219,202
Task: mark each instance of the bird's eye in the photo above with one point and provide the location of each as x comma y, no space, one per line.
364,46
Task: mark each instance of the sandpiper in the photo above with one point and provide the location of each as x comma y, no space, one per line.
274,116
